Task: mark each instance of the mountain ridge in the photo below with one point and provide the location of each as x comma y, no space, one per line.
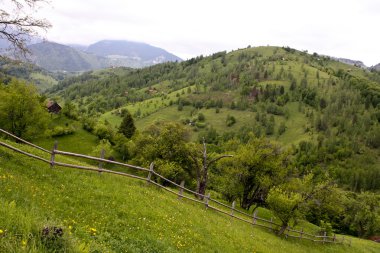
103,54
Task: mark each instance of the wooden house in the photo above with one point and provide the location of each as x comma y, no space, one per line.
54,107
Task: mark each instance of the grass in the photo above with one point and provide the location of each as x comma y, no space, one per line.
295,126
146,107
80,141
106,213
295,123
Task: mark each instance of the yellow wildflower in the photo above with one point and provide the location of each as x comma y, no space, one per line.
92,231
1,231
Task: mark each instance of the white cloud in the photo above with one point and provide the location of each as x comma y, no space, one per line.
344,28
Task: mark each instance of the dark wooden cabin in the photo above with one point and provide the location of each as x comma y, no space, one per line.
54,107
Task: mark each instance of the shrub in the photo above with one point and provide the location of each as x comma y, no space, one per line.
61,131
230,121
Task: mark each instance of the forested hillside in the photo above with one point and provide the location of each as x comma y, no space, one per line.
326,110
268,127
42,78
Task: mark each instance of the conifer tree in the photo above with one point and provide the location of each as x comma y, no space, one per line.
127,126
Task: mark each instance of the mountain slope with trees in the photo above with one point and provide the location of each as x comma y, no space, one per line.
298,133
31,73
56,57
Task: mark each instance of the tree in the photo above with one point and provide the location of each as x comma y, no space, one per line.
21,110
257,167
202,162
127,126
17,24
165,144
290,200
362,214
103,146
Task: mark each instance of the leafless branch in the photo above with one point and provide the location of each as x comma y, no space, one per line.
18,26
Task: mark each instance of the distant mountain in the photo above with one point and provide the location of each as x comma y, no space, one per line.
131,54
6,47
376,67
56,57
78,46
352,62
103,54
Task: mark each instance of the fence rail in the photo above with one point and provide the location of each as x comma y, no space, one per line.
242,216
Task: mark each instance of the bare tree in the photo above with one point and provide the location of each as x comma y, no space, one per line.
17,23
202,164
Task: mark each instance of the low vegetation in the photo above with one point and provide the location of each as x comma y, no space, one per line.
63,210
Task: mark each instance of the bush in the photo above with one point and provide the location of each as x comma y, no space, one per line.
274,109
89,124
201,117
61,131
200,124
325,227
230,121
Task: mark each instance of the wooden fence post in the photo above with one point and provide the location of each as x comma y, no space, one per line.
254,217
271,223
334,238
52,158
101,163
286,232
350,241
301,233
324,237
207,198
150,172
343,240
233,208
180,193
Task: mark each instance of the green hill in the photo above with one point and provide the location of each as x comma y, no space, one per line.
327,110
42,78
64,210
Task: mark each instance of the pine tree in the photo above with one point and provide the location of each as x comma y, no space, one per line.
127,126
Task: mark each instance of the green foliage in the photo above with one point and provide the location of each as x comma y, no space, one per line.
165,144
62,130
201,117
70,111
107,213
21,110
31,73
230,120
256,167
103,145
283,202
362,214
127,126
326,228
291,200
373,137
281,128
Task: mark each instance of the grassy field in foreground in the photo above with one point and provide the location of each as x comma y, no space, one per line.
106,213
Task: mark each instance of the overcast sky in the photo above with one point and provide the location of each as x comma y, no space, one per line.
187,28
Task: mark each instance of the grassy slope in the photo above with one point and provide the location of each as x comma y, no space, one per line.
128,216
80,141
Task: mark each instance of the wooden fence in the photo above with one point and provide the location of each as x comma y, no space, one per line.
207,201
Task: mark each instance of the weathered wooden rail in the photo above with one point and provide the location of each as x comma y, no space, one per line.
231,211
